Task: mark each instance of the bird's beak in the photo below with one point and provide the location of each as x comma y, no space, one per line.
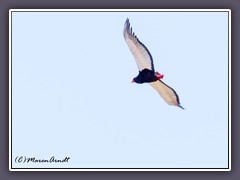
132,81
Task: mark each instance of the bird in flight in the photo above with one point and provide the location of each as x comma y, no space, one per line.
145,66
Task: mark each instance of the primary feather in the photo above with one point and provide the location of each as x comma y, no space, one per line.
168,94
140,53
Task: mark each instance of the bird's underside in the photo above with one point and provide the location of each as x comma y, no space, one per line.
145,65
166,92
146,76
139,51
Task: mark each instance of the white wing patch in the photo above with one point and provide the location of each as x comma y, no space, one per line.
168,94
140,53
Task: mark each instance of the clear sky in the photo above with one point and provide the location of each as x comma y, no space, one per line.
73,96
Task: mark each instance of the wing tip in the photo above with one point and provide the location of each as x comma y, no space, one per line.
181,107
127,24
127,28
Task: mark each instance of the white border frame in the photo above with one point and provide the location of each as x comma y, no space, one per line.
119,10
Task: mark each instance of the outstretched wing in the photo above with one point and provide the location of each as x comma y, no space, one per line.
167,93
141,54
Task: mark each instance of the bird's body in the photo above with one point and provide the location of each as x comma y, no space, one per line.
145,65
145,76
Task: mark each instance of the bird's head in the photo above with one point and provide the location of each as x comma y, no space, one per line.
135,80
138,80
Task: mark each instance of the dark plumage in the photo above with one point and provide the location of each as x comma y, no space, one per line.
145,76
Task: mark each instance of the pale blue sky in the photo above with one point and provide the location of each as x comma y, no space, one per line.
72,92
